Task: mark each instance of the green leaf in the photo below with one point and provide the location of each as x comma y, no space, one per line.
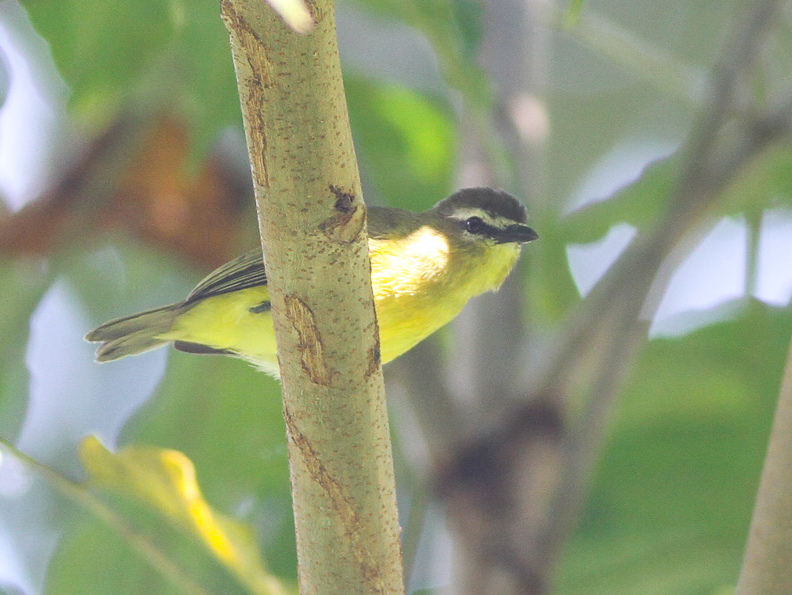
764,183
468,15
406,141
24,284
640,204
222,413
573,12
227,418
671,502
102,49
209,100
119,53
90,559
453,27
549,279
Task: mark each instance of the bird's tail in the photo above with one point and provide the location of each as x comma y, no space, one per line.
133,334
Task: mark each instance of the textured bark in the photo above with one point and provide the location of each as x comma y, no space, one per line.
767,569
313,229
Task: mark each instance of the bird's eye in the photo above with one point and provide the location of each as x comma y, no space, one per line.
474,225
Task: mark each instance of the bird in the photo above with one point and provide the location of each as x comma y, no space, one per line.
424,269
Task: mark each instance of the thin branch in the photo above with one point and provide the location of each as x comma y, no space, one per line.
734,65
714,160
767,568
147,549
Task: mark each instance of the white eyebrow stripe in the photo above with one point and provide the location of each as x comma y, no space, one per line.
464,214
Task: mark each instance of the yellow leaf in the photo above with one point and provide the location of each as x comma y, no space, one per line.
165,480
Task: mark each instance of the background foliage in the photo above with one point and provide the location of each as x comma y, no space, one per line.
142,188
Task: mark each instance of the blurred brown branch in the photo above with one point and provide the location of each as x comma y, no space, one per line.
134,177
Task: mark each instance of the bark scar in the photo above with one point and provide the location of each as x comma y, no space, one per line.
247,46
309,342
344,199
340,227
339,500
374,357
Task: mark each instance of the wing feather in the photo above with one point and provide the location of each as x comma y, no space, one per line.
243,272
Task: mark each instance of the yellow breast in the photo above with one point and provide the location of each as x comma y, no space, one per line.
422,281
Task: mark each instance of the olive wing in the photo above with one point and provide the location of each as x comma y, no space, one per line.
243,272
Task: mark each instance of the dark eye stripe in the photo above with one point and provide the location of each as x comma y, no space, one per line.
481,229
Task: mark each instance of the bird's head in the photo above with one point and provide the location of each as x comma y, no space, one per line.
465,245
485,217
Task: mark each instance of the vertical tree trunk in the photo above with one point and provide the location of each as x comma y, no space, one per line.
767,568
313,228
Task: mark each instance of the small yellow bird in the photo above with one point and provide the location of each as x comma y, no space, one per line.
424,269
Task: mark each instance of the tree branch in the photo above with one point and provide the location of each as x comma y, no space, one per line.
313,229
767,568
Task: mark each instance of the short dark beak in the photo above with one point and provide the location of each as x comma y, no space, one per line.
519,234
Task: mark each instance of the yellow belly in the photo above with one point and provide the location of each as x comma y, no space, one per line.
407,320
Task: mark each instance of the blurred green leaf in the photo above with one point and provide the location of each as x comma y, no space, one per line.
210,100
453,27
127,276
573,12
222,413
147,50
671,503
14,379
549,279
406,141
147,553
165,480
104,49
640,204
90,559
468,15
764,183
24,283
